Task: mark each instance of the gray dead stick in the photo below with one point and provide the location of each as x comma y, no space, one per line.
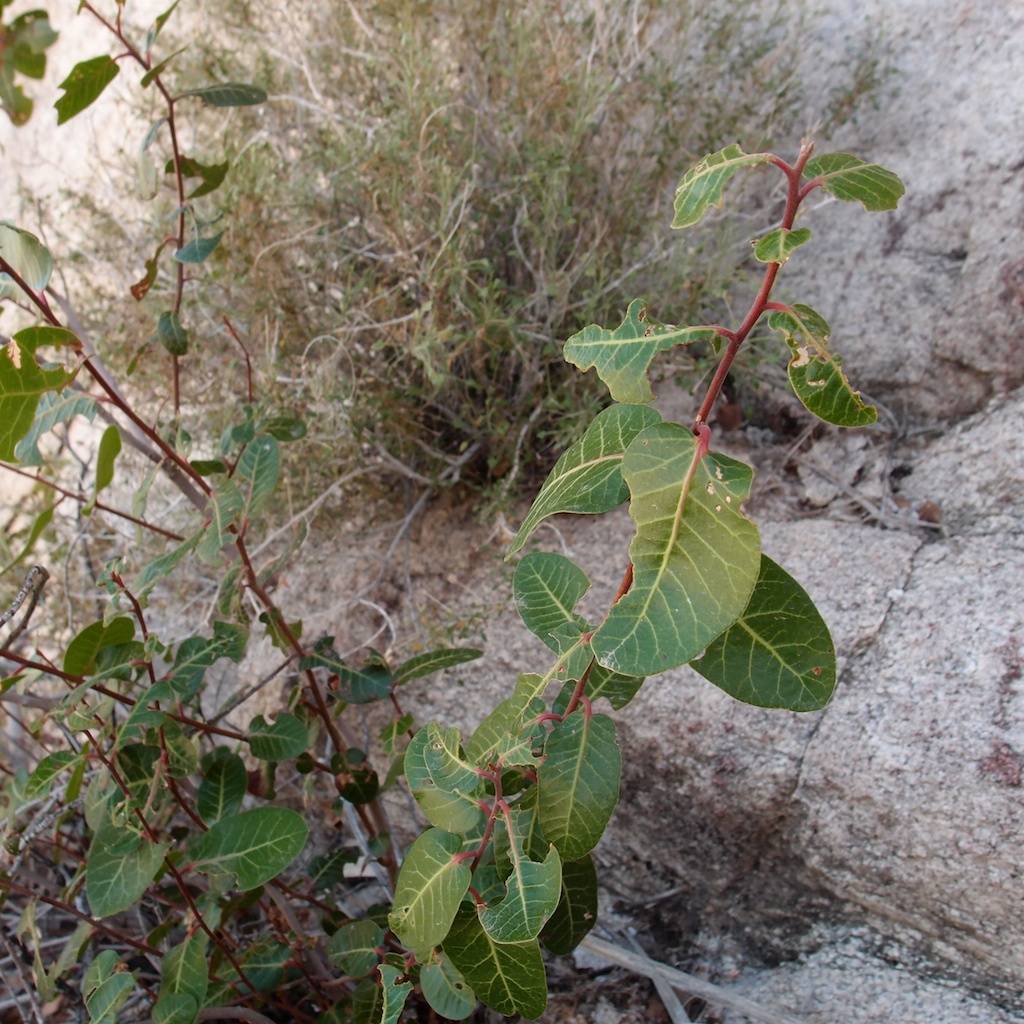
688,983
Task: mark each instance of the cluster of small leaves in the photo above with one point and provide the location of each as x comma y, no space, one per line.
205,832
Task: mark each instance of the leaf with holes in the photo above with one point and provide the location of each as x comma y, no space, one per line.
353,947
577,909
532,889
223,785
395,994
434,661
445,989
22,383
778,653
506,976
281,740
197,653
84,85
854,180
695,554
254,846
578,783
815,373
622,355
701,187
778,245
228,94
430,888
106,987
586,479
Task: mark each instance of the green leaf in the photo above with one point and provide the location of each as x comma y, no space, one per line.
285,428
453,811
119,868
395,994
183,970
22,382
53,408
433,661
39,782
355,685
506,719
84,85
353,947
257,471
105,988
223,509
228,94
283,740
211,178
445,989
198,249
448,768
254,846
701,186
546,588
508,977
815,373
223,785
197,653
157,69
175,1009
532,889
430,888
329,869
586,479
778,653
578,783
778,245
264,963
623,354
577,909
695,554
171,334
618,689
32,262
391,735
848,177
109,449
81,653
158,24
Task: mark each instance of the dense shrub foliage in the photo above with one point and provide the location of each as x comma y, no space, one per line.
164,860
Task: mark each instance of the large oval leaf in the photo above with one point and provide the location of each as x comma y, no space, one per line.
353,947
586,479
223,785
451,810
254,846
84,85
621,355
578,783
507,976
430,888
119,868
695,554
778,653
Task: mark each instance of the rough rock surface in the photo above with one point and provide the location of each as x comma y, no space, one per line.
927,301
